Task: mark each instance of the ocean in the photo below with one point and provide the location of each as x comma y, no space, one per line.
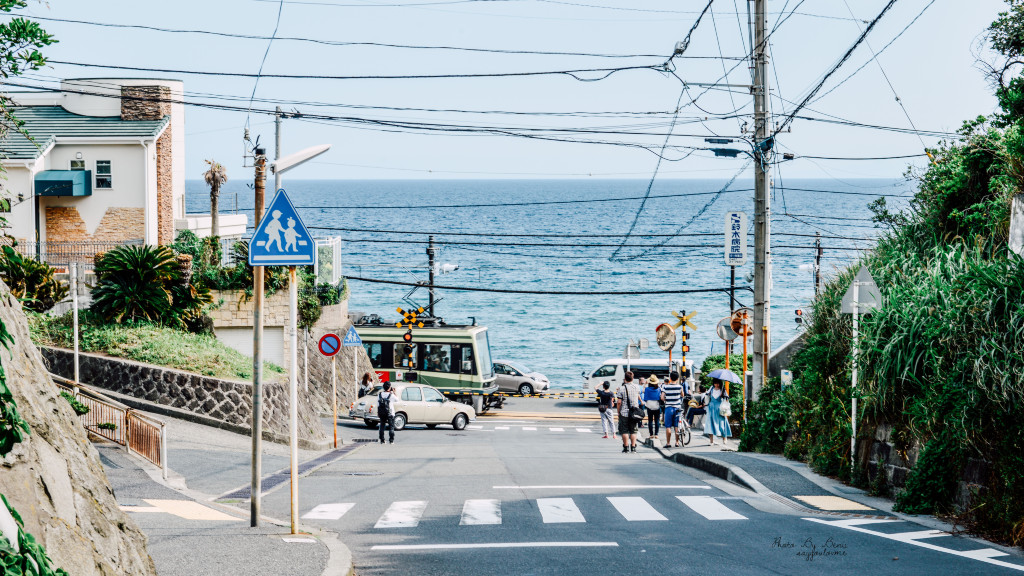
562,335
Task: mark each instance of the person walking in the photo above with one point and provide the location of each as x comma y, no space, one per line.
627,400
604,407
716,424
386,413
672,395
652,402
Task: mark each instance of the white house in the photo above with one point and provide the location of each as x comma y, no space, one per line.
105,166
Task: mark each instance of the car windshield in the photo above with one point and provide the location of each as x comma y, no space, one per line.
517,367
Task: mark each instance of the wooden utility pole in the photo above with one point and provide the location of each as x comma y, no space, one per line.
763,145
257,353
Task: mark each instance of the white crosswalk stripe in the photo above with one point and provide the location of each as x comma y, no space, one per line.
583,429
478,512
710,508
402,514
501,427
328,511
557,429
559,510
635,509
474,427
529,429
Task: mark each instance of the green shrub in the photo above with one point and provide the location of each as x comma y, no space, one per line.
79,408
31,281
147,283
768,420
107,426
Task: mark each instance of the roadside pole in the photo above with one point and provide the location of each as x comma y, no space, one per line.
293,392
334,398
763,145
853,378
305,361
74,314
256,488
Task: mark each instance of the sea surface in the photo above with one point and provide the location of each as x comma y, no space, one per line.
562,335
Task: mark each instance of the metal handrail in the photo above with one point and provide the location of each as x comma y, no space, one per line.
138,432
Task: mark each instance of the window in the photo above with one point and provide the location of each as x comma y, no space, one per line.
501,369
78,164
438,358
606,371
483,349
405,356
412,394
375,351
103,173
468,363
431,395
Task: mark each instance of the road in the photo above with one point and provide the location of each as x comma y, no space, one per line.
534,489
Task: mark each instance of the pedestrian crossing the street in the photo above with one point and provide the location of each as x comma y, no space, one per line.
565,510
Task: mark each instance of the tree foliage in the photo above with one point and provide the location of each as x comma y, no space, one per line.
31,281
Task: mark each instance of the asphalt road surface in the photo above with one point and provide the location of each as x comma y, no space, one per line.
535,489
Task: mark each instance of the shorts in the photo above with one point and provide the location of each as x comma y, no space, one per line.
673,416
627,425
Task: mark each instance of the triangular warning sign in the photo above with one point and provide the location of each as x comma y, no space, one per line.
281,239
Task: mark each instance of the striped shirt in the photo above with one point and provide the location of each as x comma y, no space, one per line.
673,394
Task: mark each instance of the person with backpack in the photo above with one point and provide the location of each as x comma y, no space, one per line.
604,407
627,400
386,412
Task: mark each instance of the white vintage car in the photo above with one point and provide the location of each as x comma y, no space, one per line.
417,404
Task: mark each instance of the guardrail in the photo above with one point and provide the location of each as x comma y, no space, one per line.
110,419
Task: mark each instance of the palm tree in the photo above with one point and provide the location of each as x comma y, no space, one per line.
215,177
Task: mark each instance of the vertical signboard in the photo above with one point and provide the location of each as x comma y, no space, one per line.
735,238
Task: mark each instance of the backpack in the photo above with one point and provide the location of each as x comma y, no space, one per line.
384,405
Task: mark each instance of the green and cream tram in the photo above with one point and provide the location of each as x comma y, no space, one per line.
454,359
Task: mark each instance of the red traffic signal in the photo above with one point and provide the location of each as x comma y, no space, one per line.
407,336
685,348
799,316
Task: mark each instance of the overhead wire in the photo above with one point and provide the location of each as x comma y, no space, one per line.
270,42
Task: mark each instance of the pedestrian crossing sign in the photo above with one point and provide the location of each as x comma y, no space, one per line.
281,239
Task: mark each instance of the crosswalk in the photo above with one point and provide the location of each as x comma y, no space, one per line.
564,510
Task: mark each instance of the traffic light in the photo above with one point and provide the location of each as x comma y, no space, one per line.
799,316
407,336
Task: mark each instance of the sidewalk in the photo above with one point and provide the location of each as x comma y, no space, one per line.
795,485
190,533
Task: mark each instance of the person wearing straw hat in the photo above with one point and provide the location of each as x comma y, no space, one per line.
652,402
716,423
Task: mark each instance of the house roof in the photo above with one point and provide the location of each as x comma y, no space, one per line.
47,123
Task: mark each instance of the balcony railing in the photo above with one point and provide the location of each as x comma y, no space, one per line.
62,254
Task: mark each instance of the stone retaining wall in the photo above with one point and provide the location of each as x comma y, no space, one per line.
223,400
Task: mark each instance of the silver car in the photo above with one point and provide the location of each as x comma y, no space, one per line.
416,404
515,378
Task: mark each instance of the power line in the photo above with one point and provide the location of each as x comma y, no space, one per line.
369,44
270,42
549,292
789,118
573,73
543,235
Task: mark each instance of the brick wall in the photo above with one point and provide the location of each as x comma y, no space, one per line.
153,103
119,224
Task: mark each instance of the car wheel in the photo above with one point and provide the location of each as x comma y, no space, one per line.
525,389
369,423
400,421
431,426
460,421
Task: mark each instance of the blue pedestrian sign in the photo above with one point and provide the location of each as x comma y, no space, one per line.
352,338
281,239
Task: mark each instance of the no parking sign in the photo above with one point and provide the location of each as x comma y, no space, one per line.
329,344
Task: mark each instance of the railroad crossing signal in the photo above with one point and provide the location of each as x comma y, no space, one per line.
409,318
684,320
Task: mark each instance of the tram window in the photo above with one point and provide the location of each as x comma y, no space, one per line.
376,352
405,356
468,360
437,358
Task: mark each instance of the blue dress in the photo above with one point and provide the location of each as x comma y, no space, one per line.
714,423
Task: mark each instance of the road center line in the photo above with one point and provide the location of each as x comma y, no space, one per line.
606,487
399,547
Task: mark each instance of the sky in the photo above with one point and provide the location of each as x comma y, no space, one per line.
931,68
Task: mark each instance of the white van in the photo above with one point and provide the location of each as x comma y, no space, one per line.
614,369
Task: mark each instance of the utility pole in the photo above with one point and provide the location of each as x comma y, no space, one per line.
257,353
763,144
277,146
431,253
817,263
